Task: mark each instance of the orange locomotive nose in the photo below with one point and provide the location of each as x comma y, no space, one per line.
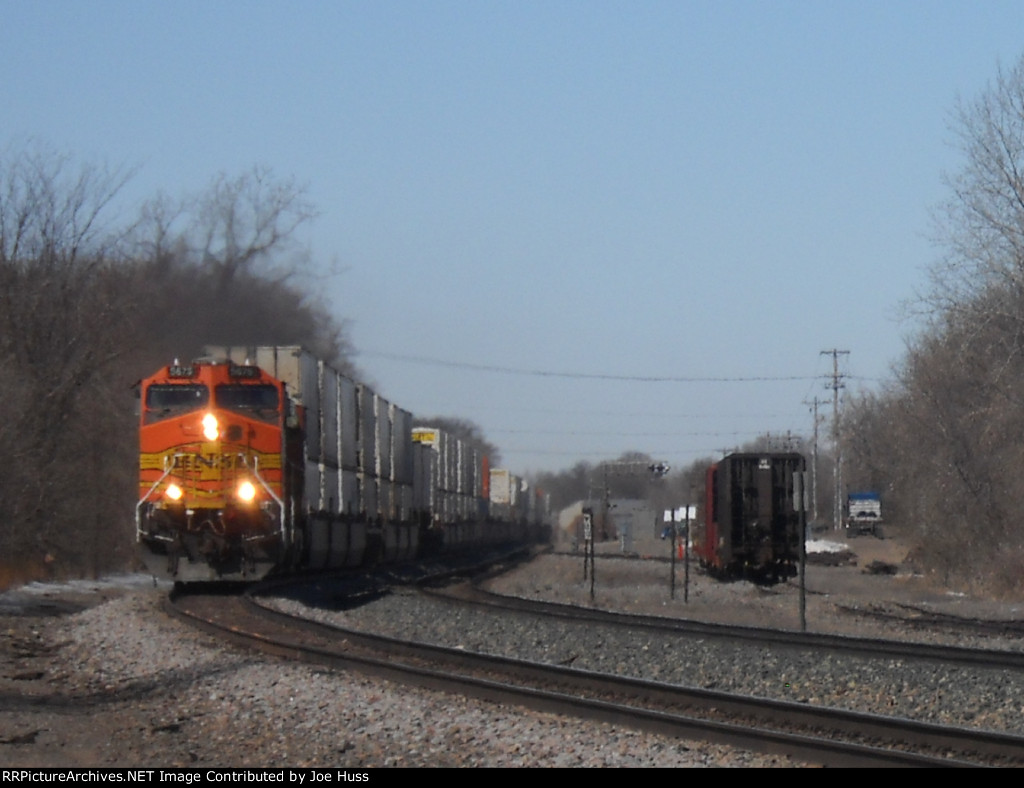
210,466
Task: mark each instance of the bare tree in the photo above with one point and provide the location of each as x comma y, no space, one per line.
232,254
59,318
88,305
250,220
944,439
981,224
567,487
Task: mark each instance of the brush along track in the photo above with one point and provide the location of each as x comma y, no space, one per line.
813,735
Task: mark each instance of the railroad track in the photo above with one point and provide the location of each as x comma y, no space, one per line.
922,618
874,647
806,733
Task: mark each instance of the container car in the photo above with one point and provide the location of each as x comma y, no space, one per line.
259,460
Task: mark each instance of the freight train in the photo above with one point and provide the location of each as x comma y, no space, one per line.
263,460
753,520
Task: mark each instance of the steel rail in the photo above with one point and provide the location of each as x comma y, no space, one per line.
875,647
615,699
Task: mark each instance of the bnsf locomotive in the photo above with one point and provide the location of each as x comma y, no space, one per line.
259,460
753,517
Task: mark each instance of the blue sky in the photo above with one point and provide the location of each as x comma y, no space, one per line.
589,227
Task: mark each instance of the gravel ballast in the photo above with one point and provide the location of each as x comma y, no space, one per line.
125,686
119,684
927,691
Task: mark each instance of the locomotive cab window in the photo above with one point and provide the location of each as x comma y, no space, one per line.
256,401
166,400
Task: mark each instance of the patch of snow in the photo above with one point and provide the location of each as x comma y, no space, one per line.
22,597
121,581
824,546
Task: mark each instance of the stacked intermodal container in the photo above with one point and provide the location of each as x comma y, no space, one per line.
358,452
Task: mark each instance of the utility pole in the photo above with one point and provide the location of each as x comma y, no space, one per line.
814,462
837,472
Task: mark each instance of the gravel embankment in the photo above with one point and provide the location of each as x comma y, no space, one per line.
930,692
119,684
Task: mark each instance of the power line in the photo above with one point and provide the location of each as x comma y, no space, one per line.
436,362
612,434
646,414
674,452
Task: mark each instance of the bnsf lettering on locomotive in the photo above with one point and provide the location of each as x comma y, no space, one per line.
200,462
187,462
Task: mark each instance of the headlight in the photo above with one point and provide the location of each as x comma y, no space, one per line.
174,492
210,429
246,491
